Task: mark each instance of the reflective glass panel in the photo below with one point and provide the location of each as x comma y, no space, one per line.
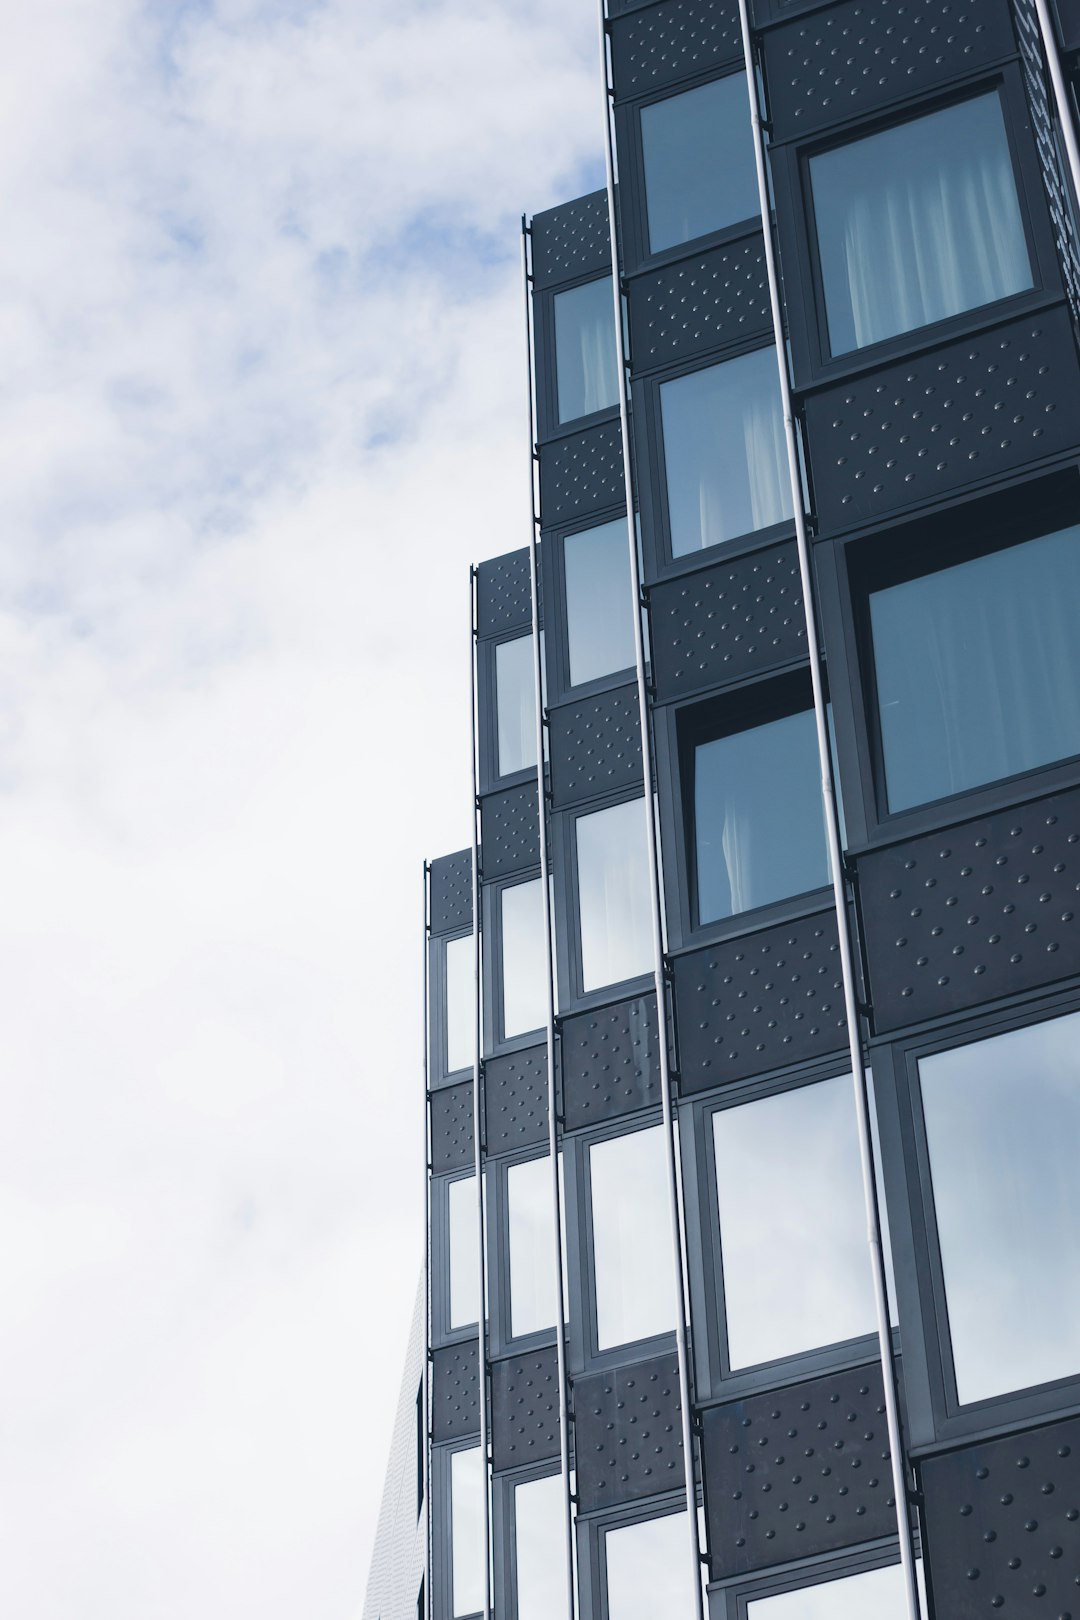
724,452
648,1570
1002,1125
532,1243
699,162
918,222
524,966
978,669
464,1256
466,1531
876,1594
586,365
599,602
538,1532
460,1004
515,694
759,829
631,1238
613,895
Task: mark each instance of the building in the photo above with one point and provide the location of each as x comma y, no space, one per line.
746,1403
395,1588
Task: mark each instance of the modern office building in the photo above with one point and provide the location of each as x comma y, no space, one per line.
754,1214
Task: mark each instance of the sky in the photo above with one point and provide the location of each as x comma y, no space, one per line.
261,403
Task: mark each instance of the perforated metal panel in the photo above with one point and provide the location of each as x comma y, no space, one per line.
503,594
524,1409
581,473
919,429
595,746
627,1433
455,1392
451,892
798,1472
706,302
982,910
571,241
759,1003
671,41
726,623
452,1128
1001,1527
610,1062
510,825
515,1094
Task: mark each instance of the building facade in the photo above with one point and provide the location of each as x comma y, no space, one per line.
753,1091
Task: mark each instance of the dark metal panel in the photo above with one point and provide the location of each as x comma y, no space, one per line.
672,41
970,410
515,1093
455,1392
610,1062
510,829
797,1472
1001,1526
570,241
1068,17
503,594
451,892
979,911
760,1002
727,623
595,746
452,1128
525,1409
706,302
580,474
627,1433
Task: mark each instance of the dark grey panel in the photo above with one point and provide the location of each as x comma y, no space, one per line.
510,826
451,892
857,57
581,474
595,746
452,1128
760,1002
627,1433
797,1472
503,594
979,911
726,623
1001,1526
1068,12
610,1062
524,1409
714,299
919,429
455,1392
572,240
671,41
515,1092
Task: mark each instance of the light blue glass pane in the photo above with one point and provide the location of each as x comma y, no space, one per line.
614,901
758,823
539,1544
515,702
599,602
877,1594
918,222
1002,1125
464,1253
724,452
467,1531
699,162
586,365
632,1253
978,669
524,964
460,1004
531,1226
648,1570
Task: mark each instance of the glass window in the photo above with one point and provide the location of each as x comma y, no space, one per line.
515,703
724,452
464,1256
918,222
460,1004
524,965
599,602
613,895
877,1592
978,669
632,1254
538,1544
466,1531
759,828
532,1244
586,364
1002,1123
648,1569
699,162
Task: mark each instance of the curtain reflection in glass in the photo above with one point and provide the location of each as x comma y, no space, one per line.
599,602
648,1570
978,669
524,965
699,162
538,1546
632,1259
466,1531
515,705
586,365
724,452
877,1594
532,1243
918,222
613,895
1002,1125
464,1258
460,1004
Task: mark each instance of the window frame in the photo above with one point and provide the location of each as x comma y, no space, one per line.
572,997
504,1530
730,1599
488,715
591,1551
560,692
501,1340
441,1522
439,1075
495,1042
442,1334
545,368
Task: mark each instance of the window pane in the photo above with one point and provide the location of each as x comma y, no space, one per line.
460,1004
792,1223
464,1256
586,365
539,1533
648,1570
877,1592
699,162
524,966
978,669
532,1247
599,602
1002,1124
759,827
515,691
613,895
917,223
466,1531
724,452
631,1238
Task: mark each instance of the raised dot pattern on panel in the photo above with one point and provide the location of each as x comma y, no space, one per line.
671,41
503,594
714,299
1002,1526
581,473
610,1062
921,428
452,1128
571,240
511,831
524,1409
798,1472
595,746
627,1433
726,623
455,1392
983,910
515,1095
761,1002
450,882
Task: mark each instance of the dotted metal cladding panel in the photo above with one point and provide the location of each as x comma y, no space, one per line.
861,56
921,428
727,623
627,1433
452,1128
671,41
1001,1526
571,240
515,1096
503,594
798,1472
455,1392
610,1062
524,1409
983,910
451,892
510,824
581,474
595,746
717,298
760,1002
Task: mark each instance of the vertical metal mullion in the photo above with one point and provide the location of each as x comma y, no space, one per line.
1060,89
426,1375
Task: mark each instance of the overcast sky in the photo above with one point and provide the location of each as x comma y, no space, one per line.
262,402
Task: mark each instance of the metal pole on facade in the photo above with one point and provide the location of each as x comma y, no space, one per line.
832,827
425,1396
545,891
652,844
1064,111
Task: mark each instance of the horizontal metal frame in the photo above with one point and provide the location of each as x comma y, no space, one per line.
548,426
495,1043
500,1339
728,1600
572,996
488,715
